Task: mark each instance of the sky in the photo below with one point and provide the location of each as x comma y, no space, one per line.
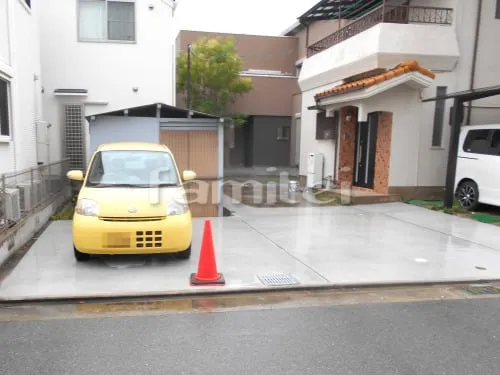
258,17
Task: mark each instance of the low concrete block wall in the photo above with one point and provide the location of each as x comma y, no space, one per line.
29,226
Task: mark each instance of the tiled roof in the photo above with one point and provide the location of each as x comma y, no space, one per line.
403,68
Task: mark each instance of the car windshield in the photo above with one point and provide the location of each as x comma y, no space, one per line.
130,168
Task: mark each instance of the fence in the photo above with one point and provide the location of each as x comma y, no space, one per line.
23,192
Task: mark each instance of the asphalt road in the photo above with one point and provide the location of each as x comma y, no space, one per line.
420,338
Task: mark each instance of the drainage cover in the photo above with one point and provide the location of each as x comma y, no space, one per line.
277,279
480,289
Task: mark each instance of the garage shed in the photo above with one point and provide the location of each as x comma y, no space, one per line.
197,142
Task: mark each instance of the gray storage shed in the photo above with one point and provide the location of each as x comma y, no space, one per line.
197,142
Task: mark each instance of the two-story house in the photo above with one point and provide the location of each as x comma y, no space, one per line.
20,84
363,84
100,56
268,138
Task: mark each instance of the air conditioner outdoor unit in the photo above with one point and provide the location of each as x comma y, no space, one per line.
12,204
26,200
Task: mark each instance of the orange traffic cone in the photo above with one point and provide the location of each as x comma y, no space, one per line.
207,269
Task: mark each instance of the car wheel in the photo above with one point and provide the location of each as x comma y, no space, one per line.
79,256
185,254
468,195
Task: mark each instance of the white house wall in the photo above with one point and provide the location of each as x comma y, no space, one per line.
408,134
20,65
4,33
488,66
308,142
108,70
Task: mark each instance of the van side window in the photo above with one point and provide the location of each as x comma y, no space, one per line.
495,143
477,142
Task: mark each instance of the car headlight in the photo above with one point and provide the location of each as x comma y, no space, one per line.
87,207
177,206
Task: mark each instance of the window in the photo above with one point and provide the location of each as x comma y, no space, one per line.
326,127
134,168
437,131
477,142
105,20
4,109
495,143
283,133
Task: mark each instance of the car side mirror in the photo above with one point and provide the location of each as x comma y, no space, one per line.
188,175
75,175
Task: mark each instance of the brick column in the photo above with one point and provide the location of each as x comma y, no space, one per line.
347,143
383,153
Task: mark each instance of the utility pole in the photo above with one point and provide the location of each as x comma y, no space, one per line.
188,81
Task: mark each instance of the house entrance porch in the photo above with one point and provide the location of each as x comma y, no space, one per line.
363,156
375,116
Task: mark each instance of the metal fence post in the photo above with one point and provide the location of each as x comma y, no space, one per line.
32,193
51,181
3,202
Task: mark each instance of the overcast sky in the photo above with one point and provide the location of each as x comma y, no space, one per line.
260,17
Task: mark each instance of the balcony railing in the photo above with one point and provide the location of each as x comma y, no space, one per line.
402,14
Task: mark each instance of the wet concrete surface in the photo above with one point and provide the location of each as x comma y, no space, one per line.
317,246
459,337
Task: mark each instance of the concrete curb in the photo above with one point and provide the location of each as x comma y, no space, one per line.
216,292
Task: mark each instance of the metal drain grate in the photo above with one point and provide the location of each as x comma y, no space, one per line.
277,279
486,289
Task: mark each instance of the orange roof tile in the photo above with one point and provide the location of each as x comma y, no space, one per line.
403,68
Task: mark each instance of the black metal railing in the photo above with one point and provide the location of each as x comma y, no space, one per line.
402,14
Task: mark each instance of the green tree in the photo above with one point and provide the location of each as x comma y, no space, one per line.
215,78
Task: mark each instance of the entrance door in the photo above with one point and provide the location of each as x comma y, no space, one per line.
364,153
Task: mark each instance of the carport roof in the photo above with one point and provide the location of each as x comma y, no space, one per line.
149,110
469,95
338,9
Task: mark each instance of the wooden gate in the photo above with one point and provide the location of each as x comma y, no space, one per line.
197,150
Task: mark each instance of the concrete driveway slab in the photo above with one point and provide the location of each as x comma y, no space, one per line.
49,270
390,242
344,245
454,226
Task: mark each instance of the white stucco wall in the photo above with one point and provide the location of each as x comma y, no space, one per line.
308,142
108,70
20,66
488,65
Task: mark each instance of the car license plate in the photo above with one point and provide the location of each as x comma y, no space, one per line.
117,240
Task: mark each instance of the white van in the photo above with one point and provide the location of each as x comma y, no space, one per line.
478,166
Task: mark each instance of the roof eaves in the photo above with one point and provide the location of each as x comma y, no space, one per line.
401,69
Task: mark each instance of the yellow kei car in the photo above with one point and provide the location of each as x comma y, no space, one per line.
132,201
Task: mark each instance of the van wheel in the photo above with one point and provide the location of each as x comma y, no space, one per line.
79,256
185,254
468,195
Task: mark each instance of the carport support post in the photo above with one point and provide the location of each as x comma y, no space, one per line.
188,79
456,121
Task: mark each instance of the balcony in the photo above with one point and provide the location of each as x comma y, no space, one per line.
399,14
